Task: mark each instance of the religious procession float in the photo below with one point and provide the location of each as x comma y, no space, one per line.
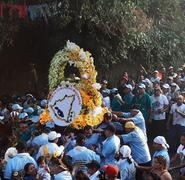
73,101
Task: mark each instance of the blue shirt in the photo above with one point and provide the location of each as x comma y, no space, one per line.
138,144
92,140
163,153
138,120
17,163
109,149
40,140
127,170
81,153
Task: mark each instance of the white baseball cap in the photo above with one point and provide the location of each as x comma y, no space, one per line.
23,115
53,135
16,107
161,140
29,110
147,81
142,86
166,86
173,84
129,86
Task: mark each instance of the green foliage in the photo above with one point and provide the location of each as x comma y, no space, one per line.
136,31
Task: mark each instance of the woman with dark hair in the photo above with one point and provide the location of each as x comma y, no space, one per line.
30,172
159,170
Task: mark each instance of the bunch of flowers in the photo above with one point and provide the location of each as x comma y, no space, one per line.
92,113
44,117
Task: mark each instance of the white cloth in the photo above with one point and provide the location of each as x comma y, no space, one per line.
95,176
161,140
125,151
158,103
177,118
10,153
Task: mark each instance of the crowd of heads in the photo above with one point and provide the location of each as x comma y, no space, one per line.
141,137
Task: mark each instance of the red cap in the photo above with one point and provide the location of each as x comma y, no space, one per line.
111,170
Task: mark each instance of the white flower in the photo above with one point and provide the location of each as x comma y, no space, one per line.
85,76
71,46
96,86
71,63
96,111
82,55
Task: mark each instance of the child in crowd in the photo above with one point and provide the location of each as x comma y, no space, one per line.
43,170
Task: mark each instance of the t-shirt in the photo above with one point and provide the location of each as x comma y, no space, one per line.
138,144
158,103
127,170
144,104
177,118
138,120
128,100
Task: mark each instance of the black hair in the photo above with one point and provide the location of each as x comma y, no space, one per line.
21,146
80,175
93,164
129,160
26,167
108,115
46,130
51,141
110,127
40,159
79,139
86,128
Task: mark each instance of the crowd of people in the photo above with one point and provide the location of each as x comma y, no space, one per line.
141,137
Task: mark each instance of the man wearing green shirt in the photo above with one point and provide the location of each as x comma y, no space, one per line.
127,98
143,101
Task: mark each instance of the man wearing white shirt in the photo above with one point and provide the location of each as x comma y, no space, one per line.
158,112
51,148
177,122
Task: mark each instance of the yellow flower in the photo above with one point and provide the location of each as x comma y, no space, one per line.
55,154
44,117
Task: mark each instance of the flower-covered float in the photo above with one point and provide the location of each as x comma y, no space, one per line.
73,101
